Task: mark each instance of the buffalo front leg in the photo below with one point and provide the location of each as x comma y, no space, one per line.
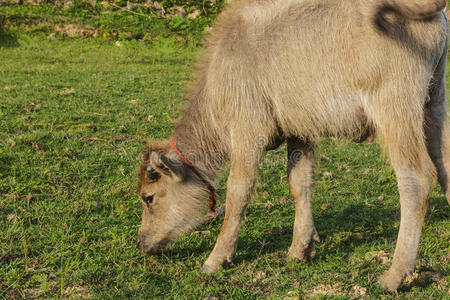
240,186
301,182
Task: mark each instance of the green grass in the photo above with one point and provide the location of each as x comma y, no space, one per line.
110,19
73,117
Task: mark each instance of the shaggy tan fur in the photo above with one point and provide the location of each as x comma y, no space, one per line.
299,70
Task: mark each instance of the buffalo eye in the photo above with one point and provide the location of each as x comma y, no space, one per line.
147,199
152,174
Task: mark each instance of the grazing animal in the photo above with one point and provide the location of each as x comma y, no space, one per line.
296,70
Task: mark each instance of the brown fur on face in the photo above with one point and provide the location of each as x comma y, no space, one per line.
299,70
177,197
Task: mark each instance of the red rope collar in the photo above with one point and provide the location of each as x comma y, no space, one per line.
212,192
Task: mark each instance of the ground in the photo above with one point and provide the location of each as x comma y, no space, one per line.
73,118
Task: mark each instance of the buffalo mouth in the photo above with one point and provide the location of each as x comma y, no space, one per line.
154,249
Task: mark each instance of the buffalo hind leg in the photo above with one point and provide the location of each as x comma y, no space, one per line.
301,182
438,143
437,127
415,173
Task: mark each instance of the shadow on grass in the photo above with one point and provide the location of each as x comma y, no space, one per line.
328,223
7,39
351,219
439,210
423,278
378,223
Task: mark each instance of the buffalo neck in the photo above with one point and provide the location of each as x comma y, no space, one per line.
198,139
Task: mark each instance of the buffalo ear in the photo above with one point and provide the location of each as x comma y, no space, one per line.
166,166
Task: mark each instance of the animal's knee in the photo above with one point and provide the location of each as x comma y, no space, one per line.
239,186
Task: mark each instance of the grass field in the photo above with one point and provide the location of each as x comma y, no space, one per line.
116,20
73,118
